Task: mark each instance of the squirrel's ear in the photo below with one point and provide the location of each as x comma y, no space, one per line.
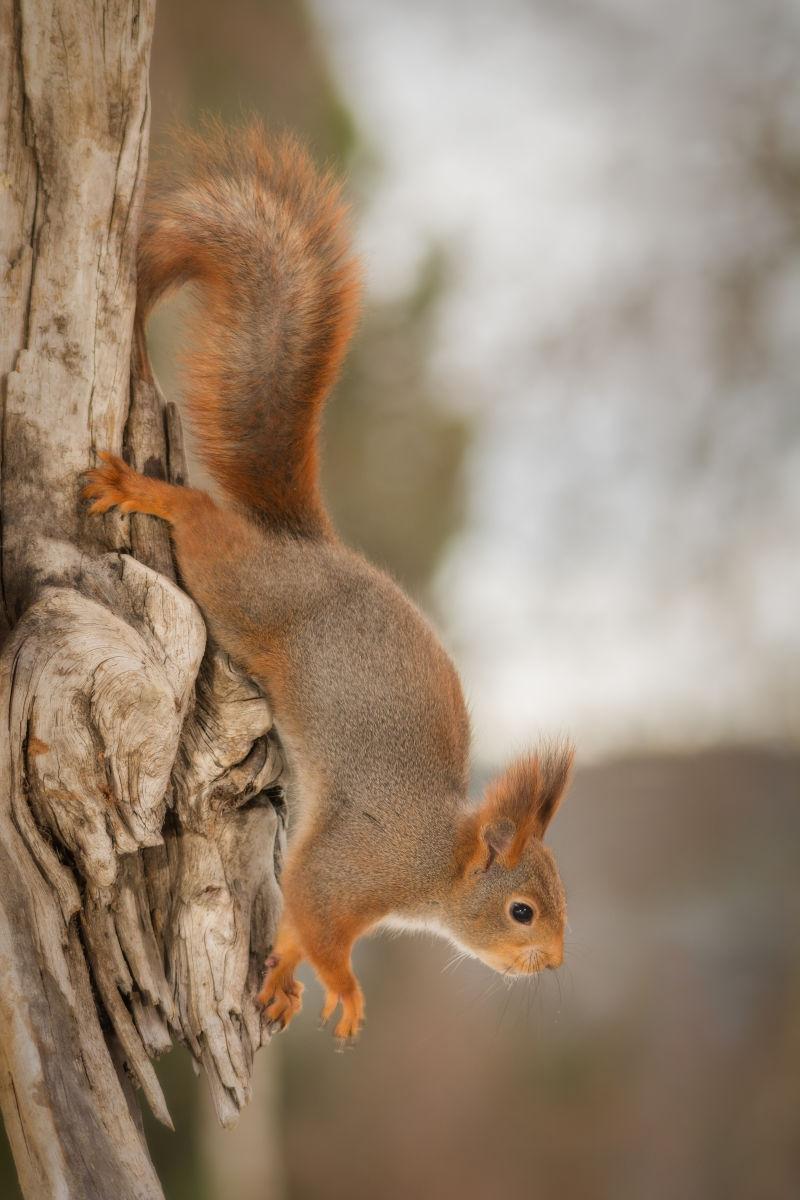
526,796
518,805
497,838
482,841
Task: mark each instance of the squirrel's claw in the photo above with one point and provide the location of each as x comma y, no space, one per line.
351,1021
108,486
343,1044
281,997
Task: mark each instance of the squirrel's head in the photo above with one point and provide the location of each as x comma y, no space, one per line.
508,907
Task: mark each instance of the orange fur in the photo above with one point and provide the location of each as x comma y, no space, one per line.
524,798
327,945
280,992
264,235
117,485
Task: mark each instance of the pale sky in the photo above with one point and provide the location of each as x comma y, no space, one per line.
622,324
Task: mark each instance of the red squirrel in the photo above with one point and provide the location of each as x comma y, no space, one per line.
366,701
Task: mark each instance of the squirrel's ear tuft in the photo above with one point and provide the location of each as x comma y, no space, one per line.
524,798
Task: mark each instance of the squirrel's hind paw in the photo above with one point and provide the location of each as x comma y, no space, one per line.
110,485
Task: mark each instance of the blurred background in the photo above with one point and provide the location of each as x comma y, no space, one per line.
570,427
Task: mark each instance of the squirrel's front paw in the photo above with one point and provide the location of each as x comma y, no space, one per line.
111,485
281,995
351,1021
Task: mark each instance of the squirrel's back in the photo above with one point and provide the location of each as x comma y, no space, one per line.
264,235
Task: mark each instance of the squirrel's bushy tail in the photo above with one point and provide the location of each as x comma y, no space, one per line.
264,235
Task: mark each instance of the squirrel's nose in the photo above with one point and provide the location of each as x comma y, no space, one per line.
556,956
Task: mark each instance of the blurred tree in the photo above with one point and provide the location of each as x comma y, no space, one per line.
263,56
394,456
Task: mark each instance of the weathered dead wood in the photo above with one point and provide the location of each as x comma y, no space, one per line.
141,824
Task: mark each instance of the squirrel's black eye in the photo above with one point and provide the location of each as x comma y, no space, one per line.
522,913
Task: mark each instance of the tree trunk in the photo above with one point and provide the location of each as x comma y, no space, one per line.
141,822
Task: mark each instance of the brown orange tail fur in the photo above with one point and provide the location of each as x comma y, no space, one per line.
264,235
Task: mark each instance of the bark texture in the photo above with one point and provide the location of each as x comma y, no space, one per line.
141,818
